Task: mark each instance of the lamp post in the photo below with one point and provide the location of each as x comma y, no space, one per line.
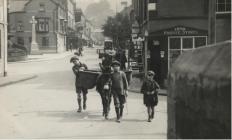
145,52
66,34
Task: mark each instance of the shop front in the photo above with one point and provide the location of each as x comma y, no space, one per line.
166,45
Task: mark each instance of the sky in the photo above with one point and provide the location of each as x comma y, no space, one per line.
115,4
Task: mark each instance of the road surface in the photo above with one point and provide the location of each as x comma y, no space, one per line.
46,107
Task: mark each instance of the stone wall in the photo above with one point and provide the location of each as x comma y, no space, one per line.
199,94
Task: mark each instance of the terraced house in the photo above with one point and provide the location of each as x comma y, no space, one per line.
53,17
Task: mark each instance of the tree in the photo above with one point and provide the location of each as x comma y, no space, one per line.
119,29
98,12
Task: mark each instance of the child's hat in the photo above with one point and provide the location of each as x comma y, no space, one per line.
73,58
115,63
150,72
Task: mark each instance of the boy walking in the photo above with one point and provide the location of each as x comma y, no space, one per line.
150,95
119,89
78,66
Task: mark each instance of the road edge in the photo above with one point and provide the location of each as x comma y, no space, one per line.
18,81
135,91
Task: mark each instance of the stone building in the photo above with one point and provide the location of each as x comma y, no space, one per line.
52,20
177,26
72,38
84,28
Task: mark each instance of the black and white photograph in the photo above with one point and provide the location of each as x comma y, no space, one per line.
115,69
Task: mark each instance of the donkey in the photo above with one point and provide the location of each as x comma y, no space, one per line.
103,86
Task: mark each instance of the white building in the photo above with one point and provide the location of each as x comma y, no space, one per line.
3,37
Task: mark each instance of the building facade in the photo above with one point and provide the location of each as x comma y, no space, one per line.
3,38
174,27
84,29
72,37
51,16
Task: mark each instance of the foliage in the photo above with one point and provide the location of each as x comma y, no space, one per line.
98,12
118,28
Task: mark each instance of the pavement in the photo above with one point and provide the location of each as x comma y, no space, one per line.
45,107
13,78
45,57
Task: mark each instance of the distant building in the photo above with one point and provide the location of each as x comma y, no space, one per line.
84,27
177,26
53,17
71,32
3,38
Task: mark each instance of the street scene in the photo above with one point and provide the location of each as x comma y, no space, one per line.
115,69
46,107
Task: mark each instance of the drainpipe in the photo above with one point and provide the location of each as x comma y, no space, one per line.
211,21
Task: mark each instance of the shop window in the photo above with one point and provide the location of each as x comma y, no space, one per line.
45,41
223,6
182,44
175,43
187,43
42,25
200,41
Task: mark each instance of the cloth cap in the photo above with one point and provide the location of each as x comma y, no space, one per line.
150,73
115,63
73,58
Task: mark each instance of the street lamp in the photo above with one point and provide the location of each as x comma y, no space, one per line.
145,51
65,38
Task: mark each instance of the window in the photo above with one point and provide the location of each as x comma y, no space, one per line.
42,25
200,41
182,44
223,6
41,7
19,26
62,25
152,9
187,43
20,40
45,41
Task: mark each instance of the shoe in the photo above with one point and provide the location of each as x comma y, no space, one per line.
118,120
106,117
79,109
118,115
84,106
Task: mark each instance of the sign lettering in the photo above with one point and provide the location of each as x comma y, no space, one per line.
180,31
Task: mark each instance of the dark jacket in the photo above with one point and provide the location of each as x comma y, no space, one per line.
76,69
149,86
